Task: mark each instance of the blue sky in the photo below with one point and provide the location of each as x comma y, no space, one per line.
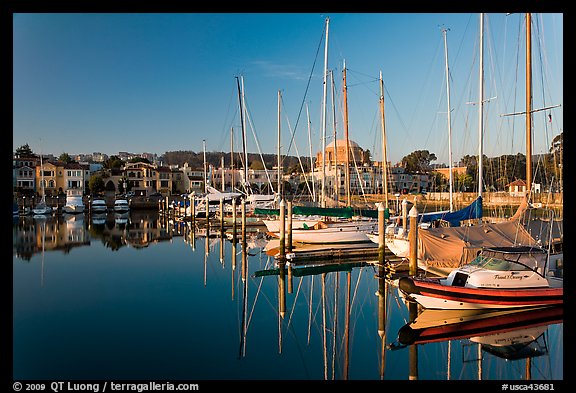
146,82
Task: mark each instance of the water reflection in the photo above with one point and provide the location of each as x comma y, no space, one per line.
510,335
191,304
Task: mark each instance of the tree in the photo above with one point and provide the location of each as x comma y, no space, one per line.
256,165
139,159
96,184
557,144
114,162
366,157
418,161
24,151
65,157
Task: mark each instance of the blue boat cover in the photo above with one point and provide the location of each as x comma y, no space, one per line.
474,210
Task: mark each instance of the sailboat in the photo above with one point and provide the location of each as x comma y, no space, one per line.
42,208
312,226
442,250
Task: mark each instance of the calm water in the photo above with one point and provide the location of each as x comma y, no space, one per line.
141,298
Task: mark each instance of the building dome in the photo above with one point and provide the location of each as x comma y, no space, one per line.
342,143
355,152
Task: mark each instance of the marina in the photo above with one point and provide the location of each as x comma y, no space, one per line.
151,298
377,256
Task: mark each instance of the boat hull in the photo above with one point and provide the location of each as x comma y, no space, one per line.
431,293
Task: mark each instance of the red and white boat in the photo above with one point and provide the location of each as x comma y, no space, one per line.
498,278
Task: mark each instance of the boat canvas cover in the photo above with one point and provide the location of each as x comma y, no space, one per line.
456,246
342,212
472,211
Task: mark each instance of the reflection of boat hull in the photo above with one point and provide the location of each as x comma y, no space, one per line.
431,293
481,324
121,218
99,218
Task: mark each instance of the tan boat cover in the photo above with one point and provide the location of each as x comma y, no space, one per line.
455,246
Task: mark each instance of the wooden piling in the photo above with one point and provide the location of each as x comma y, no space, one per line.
282,248
282,290
221,215
381,233
289,236
405,214
413,239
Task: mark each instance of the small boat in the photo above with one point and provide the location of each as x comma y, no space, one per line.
498,278
121,206
74,203
98,205
333,232
42,209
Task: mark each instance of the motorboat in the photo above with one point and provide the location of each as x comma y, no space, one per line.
74,203
498,278
121,206
98,205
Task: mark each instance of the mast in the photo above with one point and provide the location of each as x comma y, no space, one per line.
481,107
529,102
205,171
232,158
311,157
347,165
336,178
384,158
243,122
222,171
323,193
278,190
449,120
244,138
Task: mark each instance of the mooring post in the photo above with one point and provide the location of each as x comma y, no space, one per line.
282,255
413,239
289,236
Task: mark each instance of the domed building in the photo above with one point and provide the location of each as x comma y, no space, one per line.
338,155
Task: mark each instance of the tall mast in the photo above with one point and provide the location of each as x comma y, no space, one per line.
481,107
278,190
449,119
243,122
347,165
384,157
528,102
232,158
323,201
336,178
244,138
311,159
222,171
205,169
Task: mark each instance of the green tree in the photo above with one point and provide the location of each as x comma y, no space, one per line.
418,161
366,157
96,184
139,159
24,151
114,162
256,165
65,157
